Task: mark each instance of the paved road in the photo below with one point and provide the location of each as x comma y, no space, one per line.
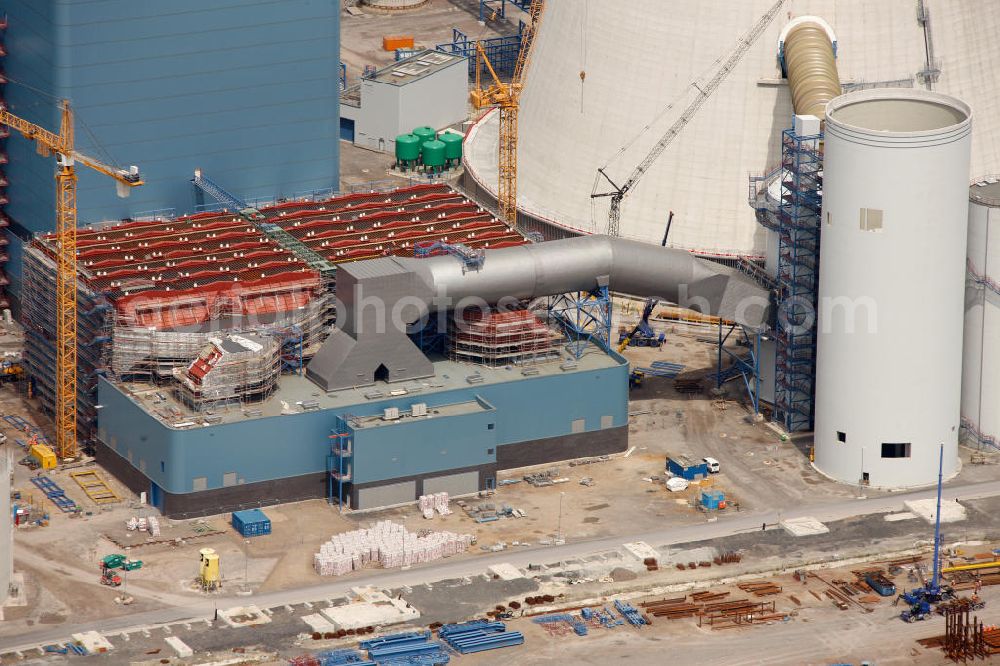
201,608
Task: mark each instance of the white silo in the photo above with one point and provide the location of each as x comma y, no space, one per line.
892,270
981,365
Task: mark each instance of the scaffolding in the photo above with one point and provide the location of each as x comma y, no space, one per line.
232,369
798,227
153,292
499,338
339,464
583,317
94,320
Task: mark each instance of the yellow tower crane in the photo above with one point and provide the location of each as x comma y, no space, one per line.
507,97
62,145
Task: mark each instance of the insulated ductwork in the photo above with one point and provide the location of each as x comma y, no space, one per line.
379,297
808,52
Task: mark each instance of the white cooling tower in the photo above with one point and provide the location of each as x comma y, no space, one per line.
602,71
981,367
892,271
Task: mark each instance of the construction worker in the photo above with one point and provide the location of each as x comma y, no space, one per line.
979,584
763,527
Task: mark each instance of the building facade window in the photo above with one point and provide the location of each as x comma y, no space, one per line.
895,449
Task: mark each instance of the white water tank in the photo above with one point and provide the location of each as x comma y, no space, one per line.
981,366
892,271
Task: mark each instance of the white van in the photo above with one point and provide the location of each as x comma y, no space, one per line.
713,465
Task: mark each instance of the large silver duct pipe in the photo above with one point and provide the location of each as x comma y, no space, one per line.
379,298
579,264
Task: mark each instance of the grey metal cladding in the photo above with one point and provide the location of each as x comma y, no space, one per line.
378,297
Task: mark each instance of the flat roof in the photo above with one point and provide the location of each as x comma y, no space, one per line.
416,67
986,191
296,394
454,409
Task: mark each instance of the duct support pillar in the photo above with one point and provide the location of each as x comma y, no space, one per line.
584,317
748,367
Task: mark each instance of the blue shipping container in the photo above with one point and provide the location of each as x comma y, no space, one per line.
684,468
251,522
711,499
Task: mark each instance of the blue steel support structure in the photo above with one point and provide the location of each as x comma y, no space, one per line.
290,339
340,463
584,317
501,51
798,227
495,9
747,367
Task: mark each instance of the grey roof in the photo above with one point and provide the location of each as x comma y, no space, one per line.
371,268
295,389
418,66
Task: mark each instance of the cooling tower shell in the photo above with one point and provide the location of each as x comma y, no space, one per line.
981,363
892,269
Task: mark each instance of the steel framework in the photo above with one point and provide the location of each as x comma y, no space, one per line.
798,219
339,463
747,367
584,318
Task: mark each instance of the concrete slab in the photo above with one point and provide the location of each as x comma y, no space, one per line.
951,512
180,647
368,614
93,642
804,526
243,616
505,571
902,515
640,550
318,623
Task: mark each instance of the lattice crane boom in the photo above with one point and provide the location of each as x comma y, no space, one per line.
704,92
62,145
507,97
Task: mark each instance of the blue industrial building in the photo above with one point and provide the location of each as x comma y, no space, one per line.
379,417
190,466
245,90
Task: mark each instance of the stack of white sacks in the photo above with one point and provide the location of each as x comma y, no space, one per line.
387,544
436,502
151,525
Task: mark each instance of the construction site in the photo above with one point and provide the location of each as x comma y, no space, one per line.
514,347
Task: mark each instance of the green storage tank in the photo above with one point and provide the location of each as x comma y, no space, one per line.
433,152
452,146
425,134
407,148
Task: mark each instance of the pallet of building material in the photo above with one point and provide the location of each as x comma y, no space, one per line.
666,373
837,601
708,596
663,602
737,607
688,385
680,607
761,589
